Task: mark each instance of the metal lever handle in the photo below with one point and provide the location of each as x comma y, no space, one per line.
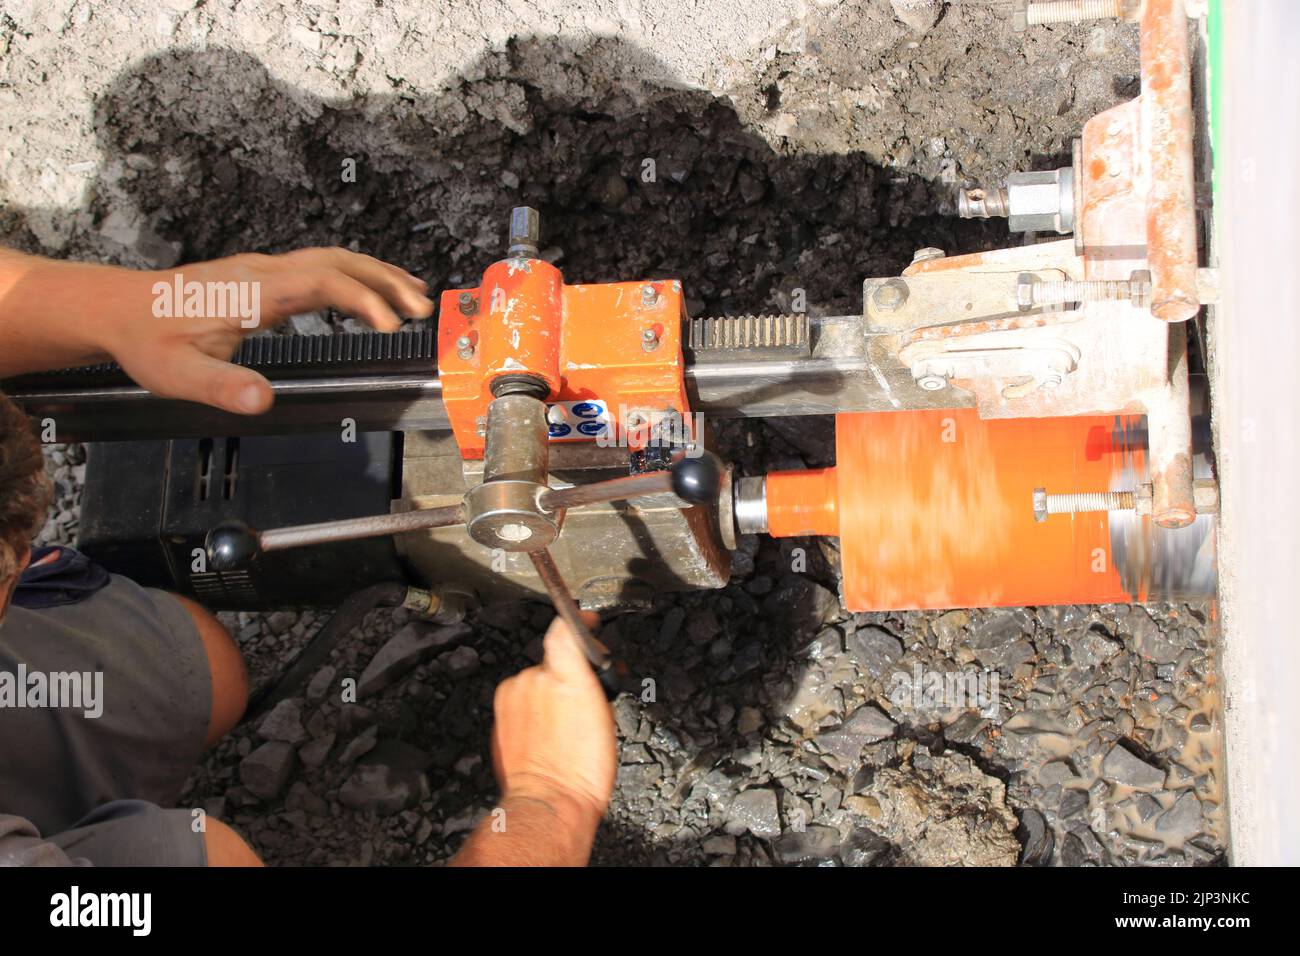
609,672
692,479
234,544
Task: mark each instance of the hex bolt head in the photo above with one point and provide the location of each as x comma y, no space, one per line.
468,304
649,295
1040,504
649,340
890,296
928,253
1025,291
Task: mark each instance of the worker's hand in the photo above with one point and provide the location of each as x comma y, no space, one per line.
554,736
185,357
55,313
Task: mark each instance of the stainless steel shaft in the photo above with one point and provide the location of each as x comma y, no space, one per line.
615,489
349,529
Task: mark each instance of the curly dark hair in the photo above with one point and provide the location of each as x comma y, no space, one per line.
25,492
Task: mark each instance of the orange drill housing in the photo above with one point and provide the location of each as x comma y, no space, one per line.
614,343
934,509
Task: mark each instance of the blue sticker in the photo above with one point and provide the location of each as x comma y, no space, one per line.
587,410
559,429
591,428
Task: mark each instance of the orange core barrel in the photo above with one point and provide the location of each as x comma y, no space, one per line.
934,509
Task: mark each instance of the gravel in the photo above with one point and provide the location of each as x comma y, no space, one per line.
414,643
1122,766
754,811
266,770
284,723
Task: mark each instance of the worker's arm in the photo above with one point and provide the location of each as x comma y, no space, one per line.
555,754
56,314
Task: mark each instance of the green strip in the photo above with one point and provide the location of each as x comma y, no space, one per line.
1214,29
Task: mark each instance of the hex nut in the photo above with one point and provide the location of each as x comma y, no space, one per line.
1205,496
1041,201
1019,16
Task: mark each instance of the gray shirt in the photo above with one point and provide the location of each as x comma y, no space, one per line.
21,845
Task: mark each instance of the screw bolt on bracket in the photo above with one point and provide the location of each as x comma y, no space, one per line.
1034,293
1026,13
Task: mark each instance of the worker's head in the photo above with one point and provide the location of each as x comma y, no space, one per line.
24,495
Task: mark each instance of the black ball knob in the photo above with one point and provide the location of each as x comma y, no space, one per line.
697,480
231,545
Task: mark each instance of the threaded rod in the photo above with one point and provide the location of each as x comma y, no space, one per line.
1090,501
1073,11
1049,293
983,203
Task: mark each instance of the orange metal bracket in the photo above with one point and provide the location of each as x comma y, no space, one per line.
616,343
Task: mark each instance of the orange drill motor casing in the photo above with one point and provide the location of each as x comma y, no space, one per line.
934,509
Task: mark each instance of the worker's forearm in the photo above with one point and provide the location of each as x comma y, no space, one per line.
56,314
532,831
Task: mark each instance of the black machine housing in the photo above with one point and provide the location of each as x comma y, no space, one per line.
148,505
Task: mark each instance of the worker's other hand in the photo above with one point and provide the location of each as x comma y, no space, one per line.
179,355
554,738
